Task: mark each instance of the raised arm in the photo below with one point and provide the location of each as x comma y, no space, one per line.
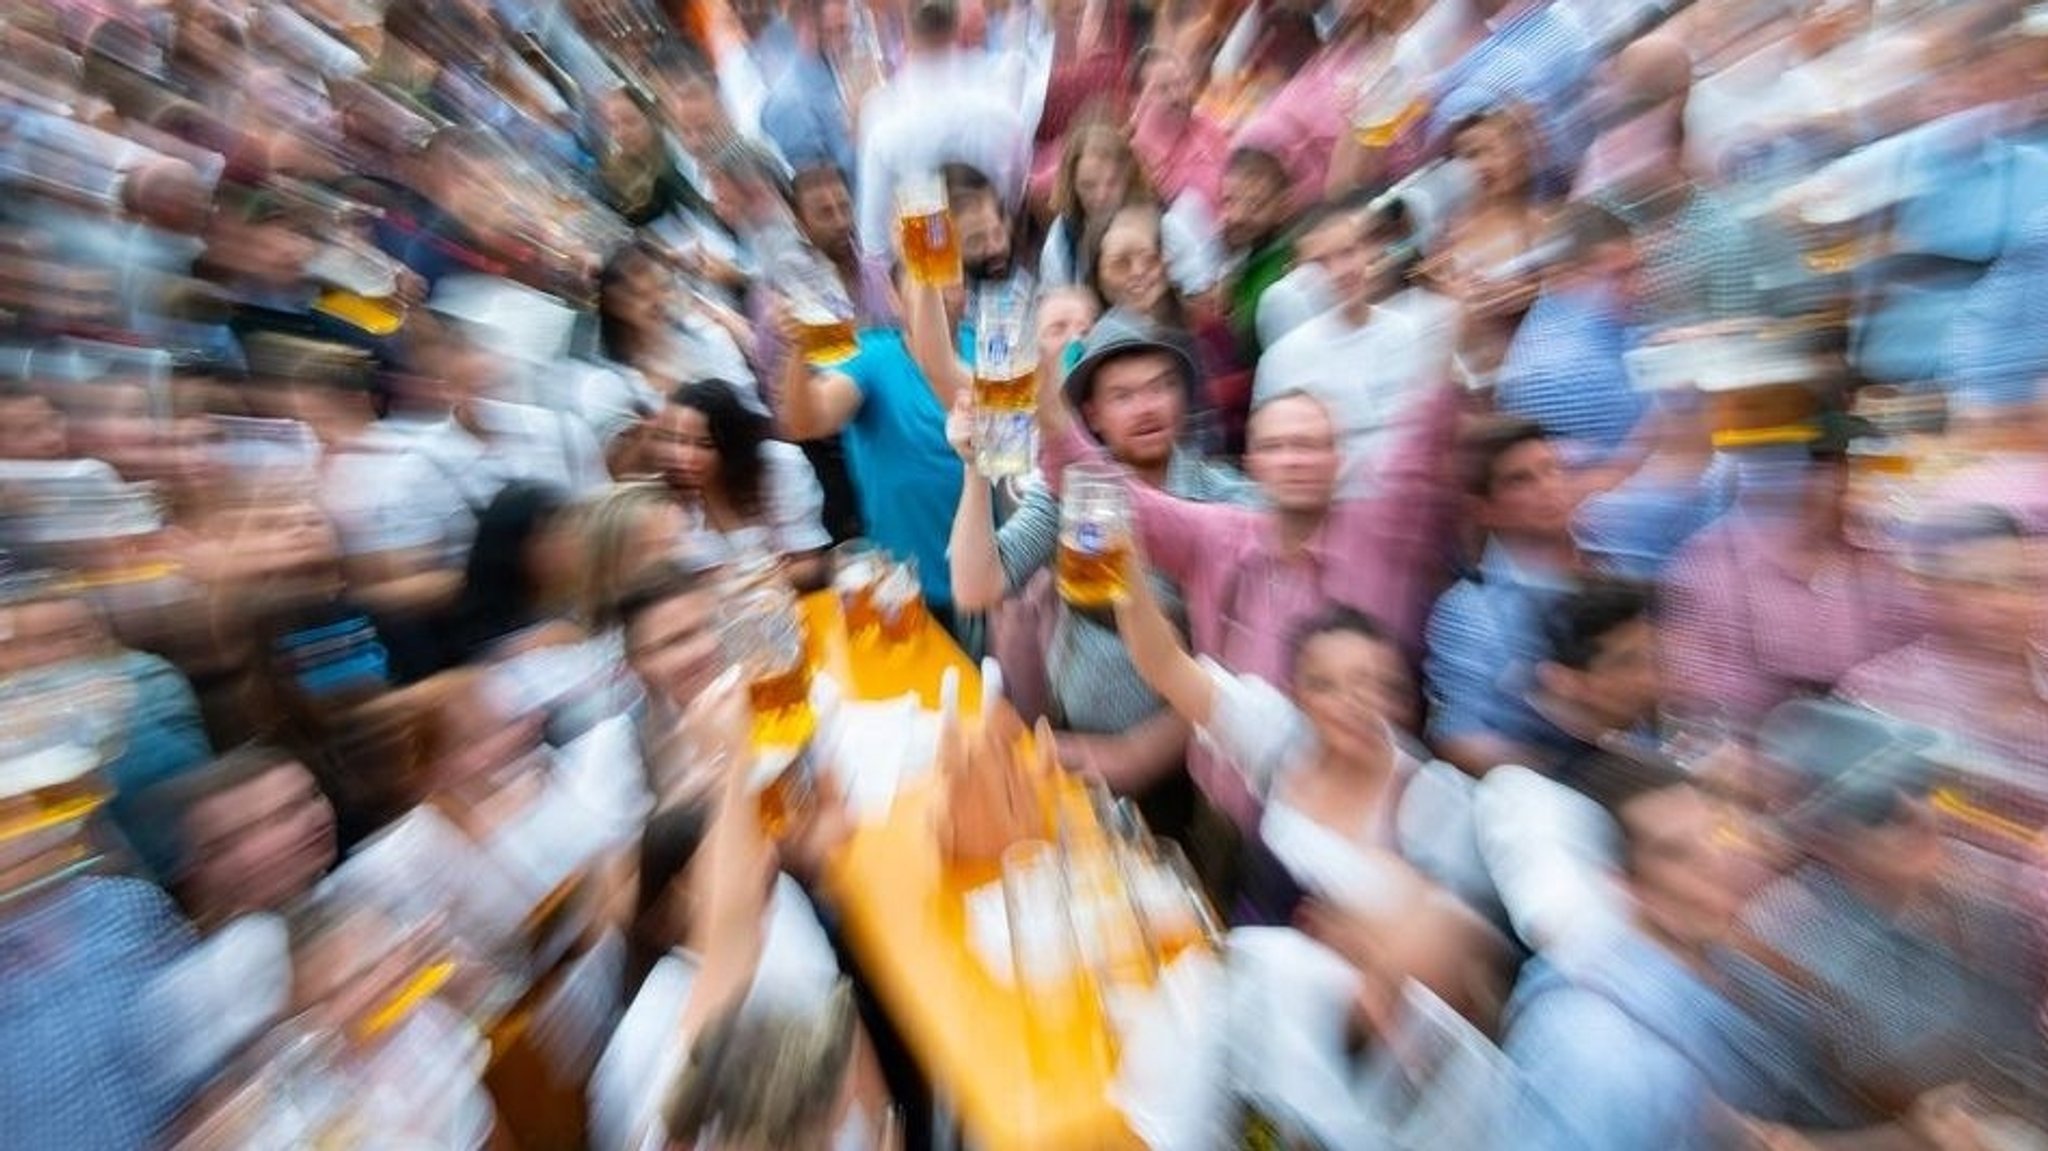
971,553
1156,649
815,404
930,337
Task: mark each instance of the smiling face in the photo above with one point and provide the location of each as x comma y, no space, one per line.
1130,267
1137,407
1347,683
681,450
257,846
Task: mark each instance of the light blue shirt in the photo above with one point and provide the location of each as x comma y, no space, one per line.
907,474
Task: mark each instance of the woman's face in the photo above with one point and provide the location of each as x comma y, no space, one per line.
1497,156
1346,684
639,298
684,451
1101,180
1133,270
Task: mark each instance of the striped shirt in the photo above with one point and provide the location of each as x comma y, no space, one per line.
1093,686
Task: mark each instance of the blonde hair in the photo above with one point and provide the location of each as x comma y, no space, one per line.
609,524
766,1078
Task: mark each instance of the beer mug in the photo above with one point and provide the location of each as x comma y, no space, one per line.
1388,103
857,567
1005,383
824,315
1095,536
931,247
764,636
899,604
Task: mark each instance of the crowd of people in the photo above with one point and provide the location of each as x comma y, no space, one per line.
1586,617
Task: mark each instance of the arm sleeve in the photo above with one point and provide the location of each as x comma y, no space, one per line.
795,502
1252,725
1591,1080
1026,542
1462,664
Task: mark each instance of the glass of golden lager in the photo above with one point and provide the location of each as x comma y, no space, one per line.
899,605
764,636
824,314
1387,105
931,247
1005,382
1095,535
857,567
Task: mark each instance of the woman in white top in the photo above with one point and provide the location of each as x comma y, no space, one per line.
743,492
1098,175
1340,789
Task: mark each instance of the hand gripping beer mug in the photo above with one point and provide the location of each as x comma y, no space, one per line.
824,315
765,637
1095,536
857,567
931,248
1005,383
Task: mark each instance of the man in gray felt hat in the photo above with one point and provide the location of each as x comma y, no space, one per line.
1132,385
1897,969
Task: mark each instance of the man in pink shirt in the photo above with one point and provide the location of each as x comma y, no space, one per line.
1182,150
1250,576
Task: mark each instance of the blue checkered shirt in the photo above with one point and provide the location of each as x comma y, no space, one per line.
79,1065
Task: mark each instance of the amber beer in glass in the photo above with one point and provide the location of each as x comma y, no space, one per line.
769,643
931,246
857,567
1005,383
1095,541
823,338
899,605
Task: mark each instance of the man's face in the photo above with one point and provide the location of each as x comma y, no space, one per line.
1137,407
695,117
1166,84
259,846
984,239
1987,594
824,210
1619,687
31,428
1253,205
1348,262
835,27
1531,495
1291,450
1679,868
46,633
674,648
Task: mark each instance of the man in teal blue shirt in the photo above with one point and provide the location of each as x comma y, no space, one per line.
892,422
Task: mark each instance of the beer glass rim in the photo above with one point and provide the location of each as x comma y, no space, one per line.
1092,472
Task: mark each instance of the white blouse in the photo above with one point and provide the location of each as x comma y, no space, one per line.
791,520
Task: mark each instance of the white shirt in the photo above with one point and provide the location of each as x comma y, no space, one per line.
791,521
1551,852
937,111
639,1066
1369,377
382,496
1261,733
1194,255
1270,1027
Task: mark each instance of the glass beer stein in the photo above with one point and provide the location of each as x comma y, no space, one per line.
931,245
1095,536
